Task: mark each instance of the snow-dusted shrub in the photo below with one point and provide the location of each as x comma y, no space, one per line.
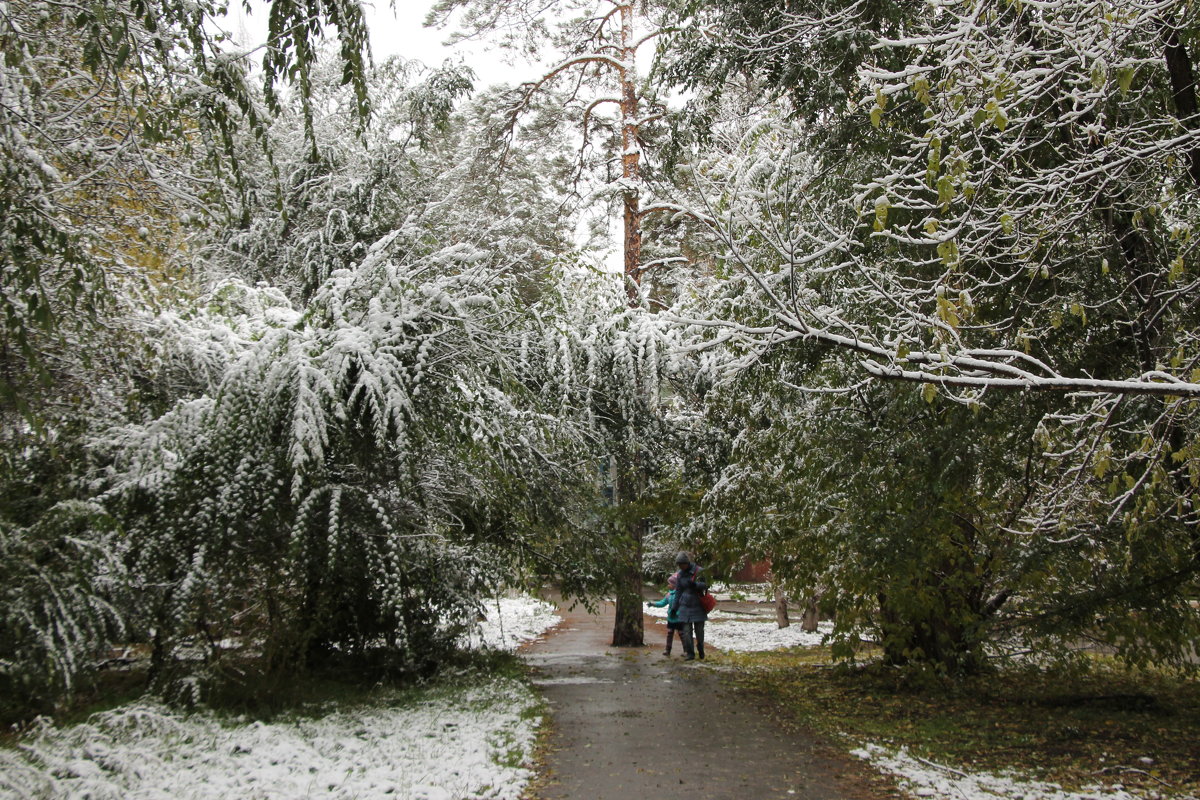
323,498
59,581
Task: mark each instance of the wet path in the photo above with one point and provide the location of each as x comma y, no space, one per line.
627,723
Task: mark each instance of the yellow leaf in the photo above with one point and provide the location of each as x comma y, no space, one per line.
1000,119
1125,79
1175,271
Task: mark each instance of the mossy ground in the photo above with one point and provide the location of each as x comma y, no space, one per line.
1069,727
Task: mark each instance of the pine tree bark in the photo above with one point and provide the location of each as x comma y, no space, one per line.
629,624
629,627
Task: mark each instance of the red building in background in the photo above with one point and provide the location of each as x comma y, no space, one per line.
753,572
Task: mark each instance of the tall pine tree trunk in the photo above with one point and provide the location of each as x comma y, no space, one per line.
629,625
628,628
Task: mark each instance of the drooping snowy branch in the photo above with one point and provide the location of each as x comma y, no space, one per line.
1011,185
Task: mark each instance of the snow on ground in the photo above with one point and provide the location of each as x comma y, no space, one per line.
922,778
726,632
447,744
662,612
510,621
740,591
453,743
754,636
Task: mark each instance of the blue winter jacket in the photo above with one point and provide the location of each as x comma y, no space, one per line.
688,588
671,616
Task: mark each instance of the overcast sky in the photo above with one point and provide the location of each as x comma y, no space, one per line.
399,32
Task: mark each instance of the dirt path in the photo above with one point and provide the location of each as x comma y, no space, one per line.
628,723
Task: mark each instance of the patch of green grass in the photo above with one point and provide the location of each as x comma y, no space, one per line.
1070,728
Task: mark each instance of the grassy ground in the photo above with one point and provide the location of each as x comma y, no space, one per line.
1139,729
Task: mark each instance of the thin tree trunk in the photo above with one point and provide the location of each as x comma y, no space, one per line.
812,613
1183,87
630,156
781,609
1187,111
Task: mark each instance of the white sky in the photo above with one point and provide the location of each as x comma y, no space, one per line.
400,32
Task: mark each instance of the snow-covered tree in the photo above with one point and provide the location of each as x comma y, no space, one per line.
1007,156
115,126
1002,200
108,112
594,50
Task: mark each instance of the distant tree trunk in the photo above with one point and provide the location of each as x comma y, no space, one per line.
781,609
812,613
1183,87
159,648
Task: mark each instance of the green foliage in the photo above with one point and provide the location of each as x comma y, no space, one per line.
874,501
287,487
310,505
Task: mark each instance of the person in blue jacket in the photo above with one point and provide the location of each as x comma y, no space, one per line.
673,623
687,607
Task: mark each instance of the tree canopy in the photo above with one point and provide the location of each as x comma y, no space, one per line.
304,355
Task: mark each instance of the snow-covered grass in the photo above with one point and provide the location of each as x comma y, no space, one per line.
729,632
755,636
449,743
752,592
442,743
922,778
662,613
511,621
